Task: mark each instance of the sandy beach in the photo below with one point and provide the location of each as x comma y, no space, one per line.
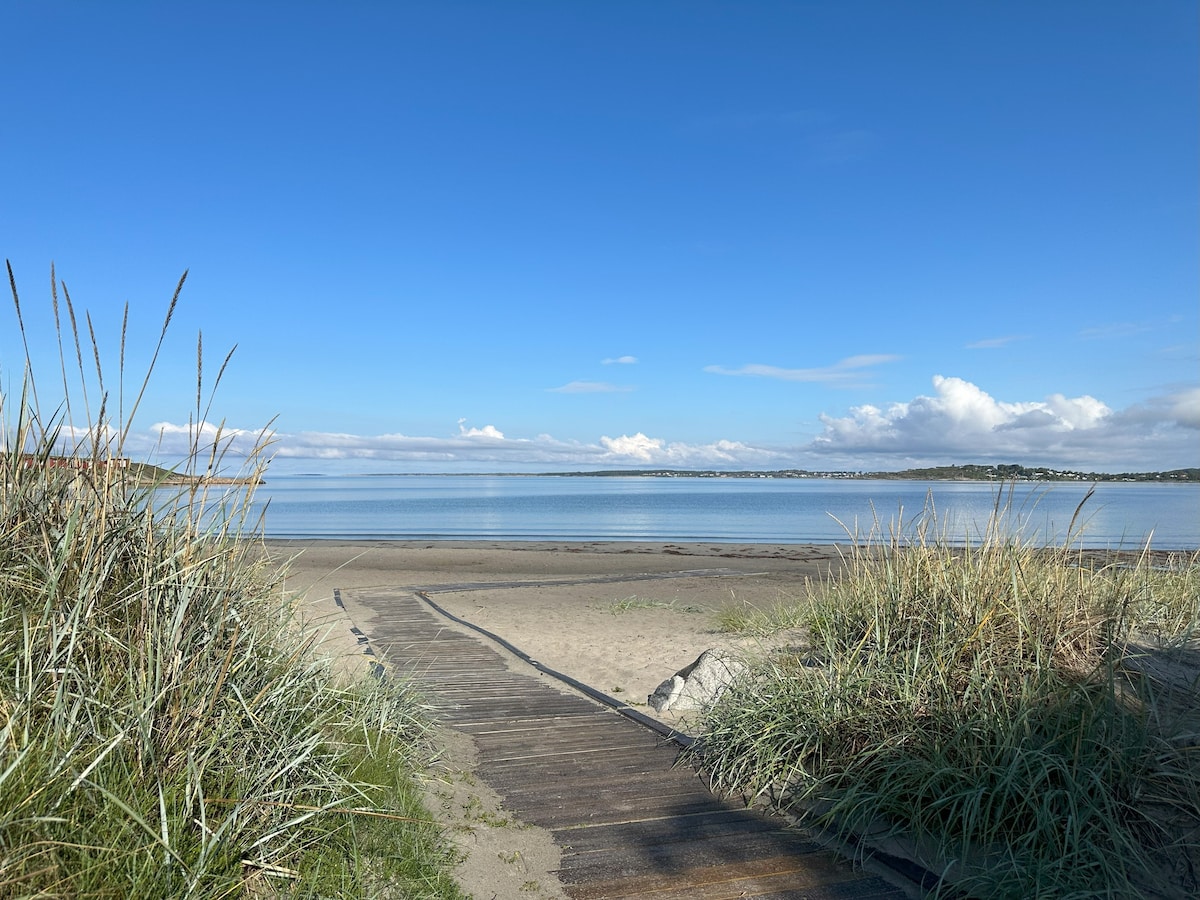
620,617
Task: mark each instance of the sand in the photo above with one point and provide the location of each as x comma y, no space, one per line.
620,617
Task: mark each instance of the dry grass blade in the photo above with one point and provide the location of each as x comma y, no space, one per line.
162,336
29,378
78,355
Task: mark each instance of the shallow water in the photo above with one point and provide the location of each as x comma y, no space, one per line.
749,510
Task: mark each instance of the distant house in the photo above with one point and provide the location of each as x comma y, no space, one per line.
77,463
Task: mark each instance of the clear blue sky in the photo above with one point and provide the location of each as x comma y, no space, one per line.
534,236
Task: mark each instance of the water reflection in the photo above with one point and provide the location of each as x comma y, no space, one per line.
716,509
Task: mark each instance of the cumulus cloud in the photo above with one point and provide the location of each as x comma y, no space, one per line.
959,416
963,422
848,372
590,387
619,361
638,448
489,432
1185,407
177,441
69,440
208,444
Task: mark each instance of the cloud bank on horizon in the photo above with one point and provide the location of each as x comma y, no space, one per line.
959,422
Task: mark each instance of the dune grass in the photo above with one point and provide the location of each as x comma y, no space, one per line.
634,602
166,729
1021,719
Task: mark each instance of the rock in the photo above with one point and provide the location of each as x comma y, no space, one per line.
698,685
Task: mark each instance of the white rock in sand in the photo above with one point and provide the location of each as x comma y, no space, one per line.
698,685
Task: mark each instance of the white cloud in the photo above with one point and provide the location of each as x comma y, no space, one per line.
171,441
1185,407
489,432
638,448
471,445
619,361
68,440
961,422
590,387
847,372
207,445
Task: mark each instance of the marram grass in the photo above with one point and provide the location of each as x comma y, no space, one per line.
1022,719
165,728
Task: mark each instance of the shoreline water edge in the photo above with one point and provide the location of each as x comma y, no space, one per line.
696,510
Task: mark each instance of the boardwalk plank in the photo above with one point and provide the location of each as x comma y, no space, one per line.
629,821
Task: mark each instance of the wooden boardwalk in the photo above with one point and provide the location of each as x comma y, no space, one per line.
629,823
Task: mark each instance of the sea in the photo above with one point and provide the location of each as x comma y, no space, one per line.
1117,515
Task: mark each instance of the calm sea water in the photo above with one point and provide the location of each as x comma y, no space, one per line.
753,510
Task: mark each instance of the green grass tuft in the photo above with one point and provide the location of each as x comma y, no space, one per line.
165,727
628,604
1022,718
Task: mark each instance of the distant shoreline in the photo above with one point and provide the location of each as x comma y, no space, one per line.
988,474
187,480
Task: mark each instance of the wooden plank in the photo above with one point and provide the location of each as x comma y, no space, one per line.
671,829
616,787
758,874
557,815
630,822
518,730
694,852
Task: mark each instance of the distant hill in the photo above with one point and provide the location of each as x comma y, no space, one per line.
1010,472
142,473
145,473
1032,473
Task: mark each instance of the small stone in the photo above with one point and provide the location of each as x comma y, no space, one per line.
698,685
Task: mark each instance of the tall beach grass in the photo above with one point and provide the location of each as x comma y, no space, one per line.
1021,719
166,728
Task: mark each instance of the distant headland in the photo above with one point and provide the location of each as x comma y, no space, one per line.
1010,472
127,469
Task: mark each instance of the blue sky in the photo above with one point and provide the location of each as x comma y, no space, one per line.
538,236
